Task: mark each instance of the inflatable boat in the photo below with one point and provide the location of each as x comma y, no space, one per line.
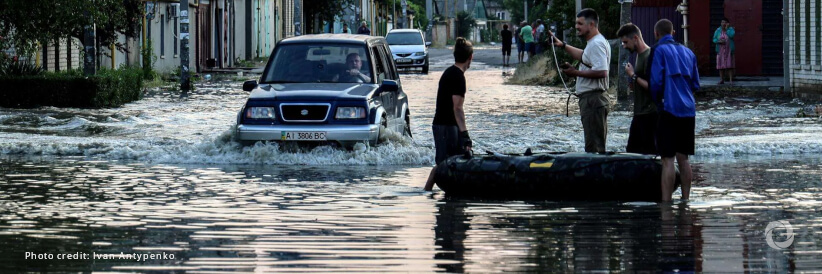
553,176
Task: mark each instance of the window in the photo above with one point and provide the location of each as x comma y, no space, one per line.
162,36
404,38
176,36
389,63
380,66
808,32
315,63
797,30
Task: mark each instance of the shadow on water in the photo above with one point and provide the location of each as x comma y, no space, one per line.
550,236
376,218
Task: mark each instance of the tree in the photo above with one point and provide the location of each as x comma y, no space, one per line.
24,23
325,10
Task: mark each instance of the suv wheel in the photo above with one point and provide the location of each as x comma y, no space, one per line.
407,130
425,67
381,138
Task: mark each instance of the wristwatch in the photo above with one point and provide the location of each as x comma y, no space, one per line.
633,77
564,44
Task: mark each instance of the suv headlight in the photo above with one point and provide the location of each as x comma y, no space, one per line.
260,113
419,54
350,113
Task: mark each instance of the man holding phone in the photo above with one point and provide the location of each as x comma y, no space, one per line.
592,78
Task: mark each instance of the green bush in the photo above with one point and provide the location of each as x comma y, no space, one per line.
108,88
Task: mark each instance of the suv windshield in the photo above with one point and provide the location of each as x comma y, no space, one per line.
318,63
404,38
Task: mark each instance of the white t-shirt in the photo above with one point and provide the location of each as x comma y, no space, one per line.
597,55
540,31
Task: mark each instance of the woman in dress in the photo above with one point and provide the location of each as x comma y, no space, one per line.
725,61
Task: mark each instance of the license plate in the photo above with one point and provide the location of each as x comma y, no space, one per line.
302,136
403,60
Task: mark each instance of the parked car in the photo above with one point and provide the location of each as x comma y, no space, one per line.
409,48
334,88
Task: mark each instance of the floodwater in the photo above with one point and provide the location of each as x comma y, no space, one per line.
162,177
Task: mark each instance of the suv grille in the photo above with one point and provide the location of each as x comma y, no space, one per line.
403,54
304,113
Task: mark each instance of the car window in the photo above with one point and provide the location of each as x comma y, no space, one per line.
391,71
404,38
380,65
315,63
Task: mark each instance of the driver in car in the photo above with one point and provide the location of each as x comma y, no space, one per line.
353,73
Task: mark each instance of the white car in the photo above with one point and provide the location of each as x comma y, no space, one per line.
409,48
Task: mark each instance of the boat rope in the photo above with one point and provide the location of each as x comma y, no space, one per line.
556,62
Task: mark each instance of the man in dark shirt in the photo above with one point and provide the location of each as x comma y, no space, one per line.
450,133
506,36
643,126
364,29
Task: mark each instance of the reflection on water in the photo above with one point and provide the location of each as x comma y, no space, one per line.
367,218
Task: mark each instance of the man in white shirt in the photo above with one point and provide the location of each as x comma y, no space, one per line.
592,78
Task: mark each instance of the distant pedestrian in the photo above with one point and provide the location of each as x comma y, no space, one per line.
364,29
345,28
520,43
450,133
539,37
592,78
643,127
674,79
527,34
725,48
506,36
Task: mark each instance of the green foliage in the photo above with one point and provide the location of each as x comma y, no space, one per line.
490,35
148,60
465,24
16,68
108,88
326,10
25,22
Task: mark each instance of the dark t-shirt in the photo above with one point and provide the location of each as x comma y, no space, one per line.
452,83
643,103
506,37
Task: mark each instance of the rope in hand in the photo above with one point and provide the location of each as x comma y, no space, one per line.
556,62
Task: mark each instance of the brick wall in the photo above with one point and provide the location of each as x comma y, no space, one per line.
805,32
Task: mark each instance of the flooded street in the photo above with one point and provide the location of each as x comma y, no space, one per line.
163,176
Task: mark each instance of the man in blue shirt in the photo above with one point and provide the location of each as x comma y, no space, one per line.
674,78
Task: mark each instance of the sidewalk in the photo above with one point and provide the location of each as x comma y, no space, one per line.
757,83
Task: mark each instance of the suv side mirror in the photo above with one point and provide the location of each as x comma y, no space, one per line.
249,85
428,44
389,85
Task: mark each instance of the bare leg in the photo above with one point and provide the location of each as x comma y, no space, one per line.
668,173
721,76
685,174
731,76
429,184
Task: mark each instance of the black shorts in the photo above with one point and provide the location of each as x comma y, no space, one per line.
675,135
446,142
642,137
506,49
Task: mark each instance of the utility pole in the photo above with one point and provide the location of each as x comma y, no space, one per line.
404,16
526,9
89,61
185,82
394,15
297,18
622,82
